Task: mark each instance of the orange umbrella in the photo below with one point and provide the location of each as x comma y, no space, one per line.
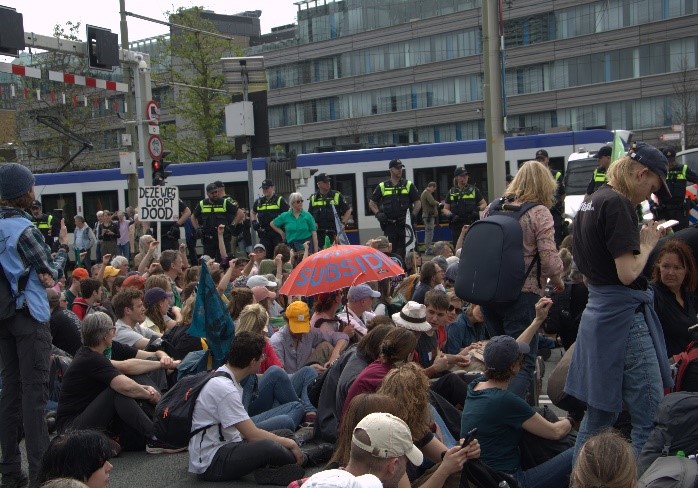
339,267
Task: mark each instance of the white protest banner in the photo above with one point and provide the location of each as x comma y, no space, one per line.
158,203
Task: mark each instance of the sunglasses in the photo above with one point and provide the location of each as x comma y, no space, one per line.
298,201
451,308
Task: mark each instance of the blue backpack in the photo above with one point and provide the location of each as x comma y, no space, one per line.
491,270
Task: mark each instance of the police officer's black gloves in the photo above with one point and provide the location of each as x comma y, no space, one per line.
198,233
256,226
381,217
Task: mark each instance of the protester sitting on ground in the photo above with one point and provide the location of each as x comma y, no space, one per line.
191,276
73,291
443,248
340,377
430,276
147,253
297,343
130,313
325,311
358,310
109,274
413,262
409,386
120,263
173,265
501,416
94,393
239,298
116,285
178,337
65,325
79,455
90,298
606,459
240,447
468,329
134,280
455,307
157,303
396,348
263,297
674,280
383,305
381,446
274,386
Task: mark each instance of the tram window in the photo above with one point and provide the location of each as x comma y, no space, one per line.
94,201
64,201
191,195
371,181
346,185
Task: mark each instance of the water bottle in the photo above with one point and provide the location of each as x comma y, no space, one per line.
680,454
503,484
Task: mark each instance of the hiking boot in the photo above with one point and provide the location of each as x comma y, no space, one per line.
317,454
14,480
155,446
280,476
304,434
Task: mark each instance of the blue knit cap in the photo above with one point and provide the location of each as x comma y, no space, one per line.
15,180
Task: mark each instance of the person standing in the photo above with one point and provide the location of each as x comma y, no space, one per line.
599,176
390,202
297,226
675,206
463,204
43,222
215,210
25,338
170,232
110,233
84,241
558,208
430,215
123,242
320,207
98,236
265,209
620,356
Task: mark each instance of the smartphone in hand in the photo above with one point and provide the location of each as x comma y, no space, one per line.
469,438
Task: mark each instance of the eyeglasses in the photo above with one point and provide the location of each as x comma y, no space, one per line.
451,308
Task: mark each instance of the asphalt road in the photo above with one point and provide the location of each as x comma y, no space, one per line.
139,469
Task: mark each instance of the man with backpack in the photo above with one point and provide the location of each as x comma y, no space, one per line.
226,444
25,338
90,298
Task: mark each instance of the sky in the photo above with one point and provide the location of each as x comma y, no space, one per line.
40,16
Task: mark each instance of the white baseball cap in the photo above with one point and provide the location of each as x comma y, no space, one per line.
388,437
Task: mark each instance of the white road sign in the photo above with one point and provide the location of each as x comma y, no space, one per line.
158,203
671,136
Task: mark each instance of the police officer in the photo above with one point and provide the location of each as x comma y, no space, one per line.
320,207
389,203
265,209
213,211
675,206
463,203
558,210
170,231
43,222
599,176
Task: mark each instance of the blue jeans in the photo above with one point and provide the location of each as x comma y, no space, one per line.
277,387
512,320
448,439
287,416
554,472
642,390
124,250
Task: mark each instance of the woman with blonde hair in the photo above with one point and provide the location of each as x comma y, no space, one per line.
182,343
147,253
533,183
620,356
296,226
607,460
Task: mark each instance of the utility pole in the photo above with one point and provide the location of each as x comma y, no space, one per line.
492,91
130,129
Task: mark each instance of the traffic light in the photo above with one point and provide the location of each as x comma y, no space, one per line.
159,172
102,48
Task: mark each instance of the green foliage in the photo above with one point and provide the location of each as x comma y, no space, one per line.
194,60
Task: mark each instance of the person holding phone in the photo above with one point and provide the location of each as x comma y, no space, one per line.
501,416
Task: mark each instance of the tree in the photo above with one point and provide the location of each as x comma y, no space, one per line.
194,67
45,148
685,88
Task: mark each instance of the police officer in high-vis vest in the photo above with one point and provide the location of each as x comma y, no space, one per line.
558,210
217,209
320,207
265,209
389,203
599,176
677,206
43,222
463,203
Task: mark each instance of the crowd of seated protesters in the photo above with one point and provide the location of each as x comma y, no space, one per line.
367,361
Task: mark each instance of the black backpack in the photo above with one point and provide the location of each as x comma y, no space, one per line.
492,269
173,413
675,429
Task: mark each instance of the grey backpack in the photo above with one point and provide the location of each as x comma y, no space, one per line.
670,472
